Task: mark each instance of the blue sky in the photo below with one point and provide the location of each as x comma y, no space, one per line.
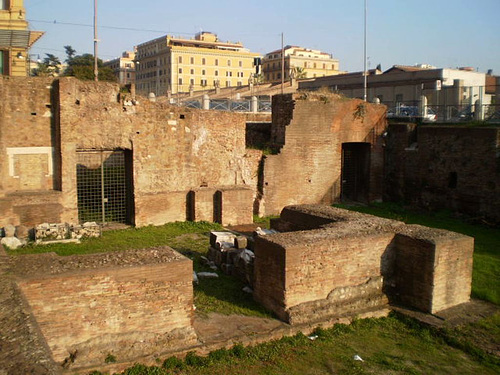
444,33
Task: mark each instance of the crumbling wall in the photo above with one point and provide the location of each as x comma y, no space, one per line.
353,263
85,305
311,129
450,167
173,150
28,152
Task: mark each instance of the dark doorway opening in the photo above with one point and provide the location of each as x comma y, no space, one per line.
355,171
105,186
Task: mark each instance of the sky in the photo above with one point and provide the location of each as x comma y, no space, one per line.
443,33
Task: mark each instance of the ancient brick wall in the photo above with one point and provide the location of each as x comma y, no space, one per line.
451,167
85,305
312,129
173,149
28,152
354,263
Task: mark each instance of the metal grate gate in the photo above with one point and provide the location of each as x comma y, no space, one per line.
102,186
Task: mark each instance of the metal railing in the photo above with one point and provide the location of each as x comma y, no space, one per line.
411,111
263,104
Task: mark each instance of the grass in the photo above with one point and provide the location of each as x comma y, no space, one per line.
486,270
392,345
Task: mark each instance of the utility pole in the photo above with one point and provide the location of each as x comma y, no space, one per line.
96,70
365,73
282,63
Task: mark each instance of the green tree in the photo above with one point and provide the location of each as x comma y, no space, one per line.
49,67
82,66
70,52
299,72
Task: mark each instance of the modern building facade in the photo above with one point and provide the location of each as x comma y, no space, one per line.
447,91
15,38
170,65
299,63
123,67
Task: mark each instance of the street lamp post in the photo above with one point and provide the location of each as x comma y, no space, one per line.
365,73
96,69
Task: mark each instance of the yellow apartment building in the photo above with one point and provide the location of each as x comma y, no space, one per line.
299,62
15,38
173,65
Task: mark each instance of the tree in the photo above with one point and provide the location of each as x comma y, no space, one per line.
82,66
299,72
70,52
49,67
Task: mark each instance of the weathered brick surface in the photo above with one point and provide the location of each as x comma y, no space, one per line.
451,167
25,121
86,305
174,149
311,130
297,273
237,205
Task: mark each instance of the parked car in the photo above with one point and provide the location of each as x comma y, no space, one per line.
411,113
464,115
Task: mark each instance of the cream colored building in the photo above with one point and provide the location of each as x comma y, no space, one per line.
123,68
171,65
15,38
299,62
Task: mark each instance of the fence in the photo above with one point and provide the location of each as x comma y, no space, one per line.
254,104
411,111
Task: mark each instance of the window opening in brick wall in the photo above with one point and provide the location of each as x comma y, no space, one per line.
104,186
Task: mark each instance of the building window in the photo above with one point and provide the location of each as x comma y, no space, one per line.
305,64
203,82
228,62
240,63
203,72
240,83
228,83
192,60
180,70
216,62
192,71
191,81
314,65
180,81
180,59
5,4
203,61
216,73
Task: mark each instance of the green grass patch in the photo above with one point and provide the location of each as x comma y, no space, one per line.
392,345
486,270
131,238
264,222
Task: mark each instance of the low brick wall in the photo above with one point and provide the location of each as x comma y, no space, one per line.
128,304
355,262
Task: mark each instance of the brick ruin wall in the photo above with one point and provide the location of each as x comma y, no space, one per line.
173,151
311,129
445,167
354,263
85,305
